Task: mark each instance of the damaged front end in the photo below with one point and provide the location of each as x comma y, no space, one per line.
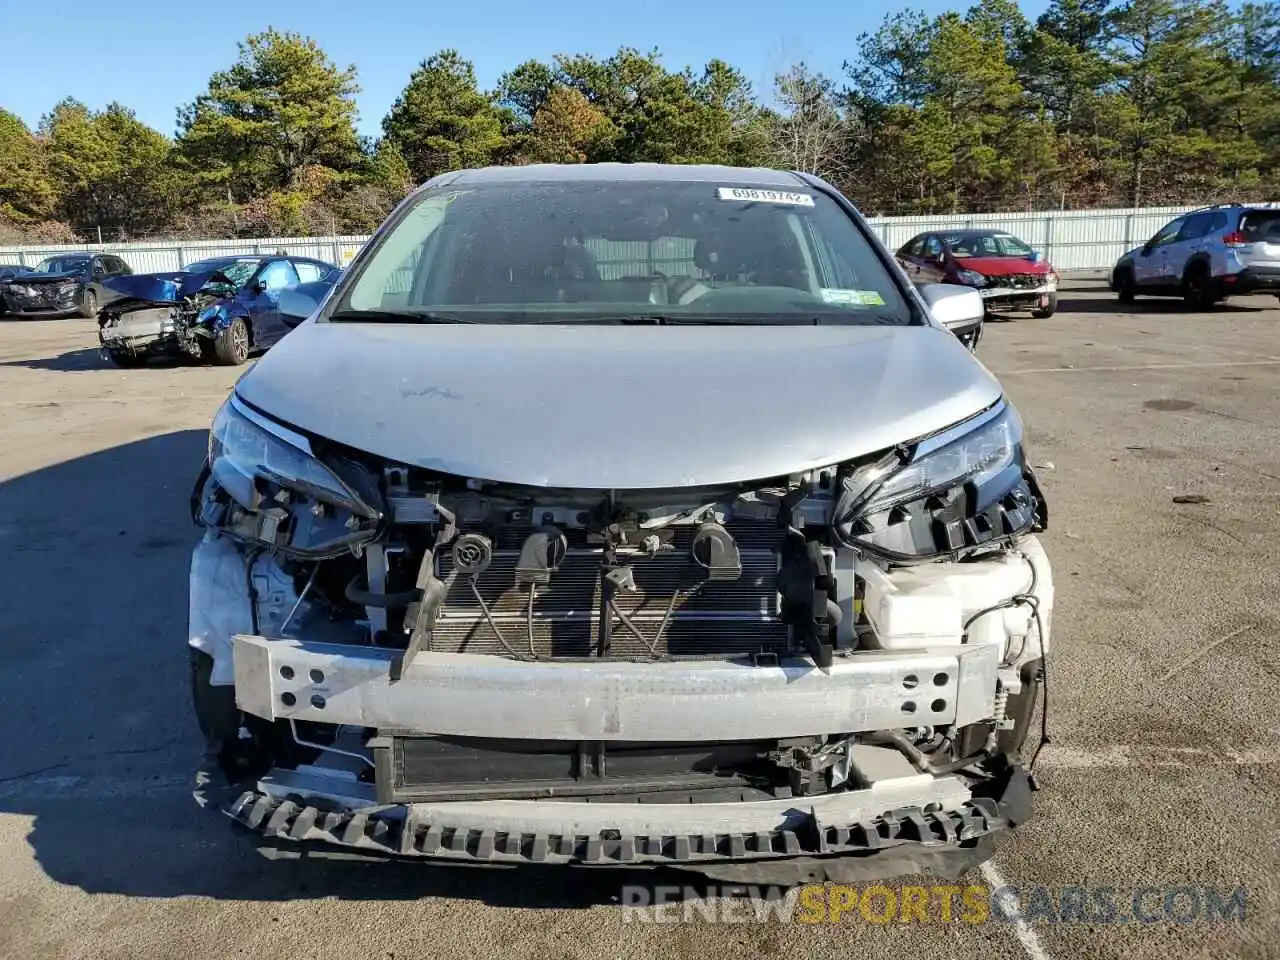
823,675
160,314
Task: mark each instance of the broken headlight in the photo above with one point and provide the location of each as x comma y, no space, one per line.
211,314
250,455
961,490
264,484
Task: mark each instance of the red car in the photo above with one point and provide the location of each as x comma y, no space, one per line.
1007,272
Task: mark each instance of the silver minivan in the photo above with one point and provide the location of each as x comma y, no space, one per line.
624,515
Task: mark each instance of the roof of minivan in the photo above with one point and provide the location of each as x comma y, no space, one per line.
698,173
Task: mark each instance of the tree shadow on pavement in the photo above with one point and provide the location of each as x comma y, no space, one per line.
1155,305
76,361
70,362
104,749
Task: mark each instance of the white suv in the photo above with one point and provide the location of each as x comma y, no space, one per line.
1206,256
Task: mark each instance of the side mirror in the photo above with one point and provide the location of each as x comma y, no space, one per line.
953,306
296,306
1147,248
260,287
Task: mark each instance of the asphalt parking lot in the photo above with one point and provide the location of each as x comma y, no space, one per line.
1164,683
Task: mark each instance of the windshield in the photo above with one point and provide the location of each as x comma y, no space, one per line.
237,272
595,251
62,265
987,245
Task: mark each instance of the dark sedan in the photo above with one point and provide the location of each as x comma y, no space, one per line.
222,309
64,285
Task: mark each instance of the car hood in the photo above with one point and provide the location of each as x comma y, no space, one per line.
1002,266
159,287
611,407
46,277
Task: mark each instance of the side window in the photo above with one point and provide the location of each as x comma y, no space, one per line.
278,275
307,272
933,248
1168,232
917,247
1195,227
1219,222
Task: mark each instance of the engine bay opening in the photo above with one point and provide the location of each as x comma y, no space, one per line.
420,561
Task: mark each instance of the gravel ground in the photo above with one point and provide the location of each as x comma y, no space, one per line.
1163,685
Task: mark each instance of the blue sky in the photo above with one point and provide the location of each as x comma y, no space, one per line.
154,55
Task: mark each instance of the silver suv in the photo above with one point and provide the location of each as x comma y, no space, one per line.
1206,256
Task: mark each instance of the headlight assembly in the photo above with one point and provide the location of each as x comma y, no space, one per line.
210,314
971,278
963,489
289,499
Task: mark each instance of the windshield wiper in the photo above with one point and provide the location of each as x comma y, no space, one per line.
663,320
719,320
397,316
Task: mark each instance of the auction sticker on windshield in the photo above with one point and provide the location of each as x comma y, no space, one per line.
860,298
750,195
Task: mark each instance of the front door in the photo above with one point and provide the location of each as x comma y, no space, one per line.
1150,266
264,305
933,267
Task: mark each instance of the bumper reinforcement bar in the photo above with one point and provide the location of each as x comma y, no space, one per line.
470,695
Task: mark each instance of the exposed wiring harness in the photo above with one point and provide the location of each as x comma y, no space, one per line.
651,645
493,625
892,738
301,597
249,561
1027,599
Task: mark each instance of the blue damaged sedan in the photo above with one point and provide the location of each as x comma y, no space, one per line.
221,309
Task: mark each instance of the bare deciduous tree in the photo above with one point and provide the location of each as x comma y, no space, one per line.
809,133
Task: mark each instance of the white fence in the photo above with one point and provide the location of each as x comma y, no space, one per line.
163,255
1072,240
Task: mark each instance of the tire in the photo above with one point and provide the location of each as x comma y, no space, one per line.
89,305
1049,311
215,707
231,346
1197,287
1126,289
126,360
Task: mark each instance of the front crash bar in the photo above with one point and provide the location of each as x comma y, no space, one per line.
666,701
908,819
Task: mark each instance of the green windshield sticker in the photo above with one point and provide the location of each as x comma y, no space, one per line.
857,298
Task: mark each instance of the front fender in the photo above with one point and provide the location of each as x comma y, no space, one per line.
227,310
1124,263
